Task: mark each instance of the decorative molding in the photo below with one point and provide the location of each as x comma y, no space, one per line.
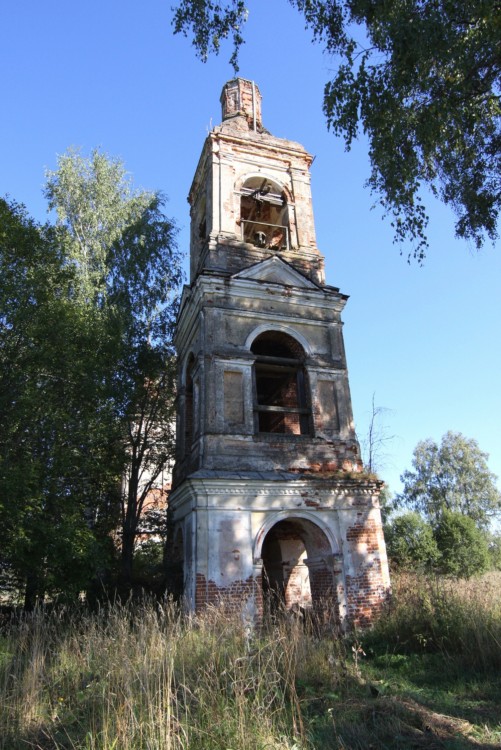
284,515
274,326
276,271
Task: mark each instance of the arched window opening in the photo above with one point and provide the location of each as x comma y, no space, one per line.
281,390
199,220
264,215
188,407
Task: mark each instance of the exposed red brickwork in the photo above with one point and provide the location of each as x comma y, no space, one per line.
366,596
324,596
342,457
312,503
321,583
366,592
233,597
242,97
366,532
295,591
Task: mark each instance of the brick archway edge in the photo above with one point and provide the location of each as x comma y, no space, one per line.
279,327
292,515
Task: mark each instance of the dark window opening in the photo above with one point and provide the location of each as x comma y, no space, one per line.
199,222
281,385
264,215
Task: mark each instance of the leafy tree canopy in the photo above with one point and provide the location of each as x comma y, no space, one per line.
421,79
452,476
463,547
57,466
119,239
410,542
86,372
123,248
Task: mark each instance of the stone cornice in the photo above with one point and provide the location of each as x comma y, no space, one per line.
229,483
262,142
321,299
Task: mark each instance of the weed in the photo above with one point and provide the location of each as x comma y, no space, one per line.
146,677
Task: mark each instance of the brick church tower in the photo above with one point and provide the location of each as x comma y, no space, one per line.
270,505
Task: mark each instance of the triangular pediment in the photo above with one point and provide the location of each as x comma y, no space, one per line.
276,271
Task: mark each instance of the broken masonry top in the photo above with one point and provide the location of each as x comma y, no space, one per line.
240,97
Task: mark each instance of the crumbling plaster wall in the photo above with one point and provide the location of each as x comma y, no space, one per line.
229,316
225,524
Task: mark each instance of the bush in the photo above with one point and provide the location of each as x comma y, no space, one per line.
410,543
458,618
494,545
463,547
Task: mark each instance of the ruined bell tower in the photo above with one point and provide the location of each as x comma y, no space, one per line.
270,504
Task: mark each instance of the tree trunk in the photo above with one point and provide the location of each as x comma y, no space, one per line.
126,562
31,592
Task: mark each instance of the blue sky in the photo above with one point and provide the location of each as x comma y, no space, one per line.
109,74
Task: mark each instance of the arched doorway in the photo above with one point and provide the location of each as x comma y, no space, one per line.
298,569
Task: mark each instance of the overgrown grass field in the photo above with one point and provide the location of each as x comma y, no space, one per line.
144,677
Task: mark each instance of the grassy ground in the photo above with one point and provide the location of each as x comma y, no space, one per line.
144,678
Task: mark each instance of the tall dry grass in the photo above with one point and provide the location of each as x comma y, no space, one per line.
461,619
134,678
145,677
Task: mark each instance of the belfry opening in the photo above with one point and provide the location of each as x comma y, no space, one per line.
264,214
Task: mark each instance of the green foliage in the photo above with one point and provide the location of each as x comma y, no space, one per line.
458,618
453,489
87,373
494,544
421,80
149,570
94,202
452,476
120,241
128,265
463,547
210,23
454,546
58,476
410,542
